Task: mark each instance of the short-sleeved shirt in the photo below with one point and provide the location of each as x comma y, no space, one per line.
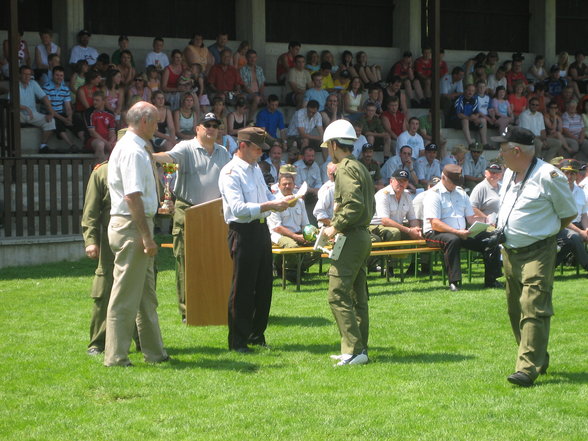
245,73
293,218
475,169
320,96
544,200
425,170
311,174
83,53
555,87
447,86
58,96
299,78
485,198
450,207
573,123
387,206
243,190
374,170
102,121
29,94
415,141
532,121
483,104
396,121
325,201
580,201
371,125
391,165
224,78
424,67
157,59
130,171
270,121
467,106
301,119
198,172
417,204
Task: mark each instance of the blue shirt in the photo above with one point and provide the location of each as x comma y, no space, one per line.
270,121
467,106
320,95
29,93
57,96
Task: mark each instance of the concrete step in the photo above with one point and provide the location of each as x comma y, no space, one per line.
30,141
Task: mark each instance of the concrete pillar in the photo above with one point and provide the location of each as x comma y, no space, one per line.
250,16
542,26
407,26
68,20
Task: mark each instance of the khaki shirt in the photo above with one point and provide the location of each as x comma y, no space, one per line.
96,214
354,196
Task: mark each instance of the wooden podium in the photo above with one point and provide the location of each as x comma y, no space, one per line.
209,267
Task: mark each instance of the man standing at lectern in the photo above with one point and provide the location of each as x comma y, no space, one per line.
246,203
200,161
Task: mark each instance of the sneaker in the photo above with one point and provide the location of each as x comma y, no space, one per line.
338,356
44,149
347,359
94,351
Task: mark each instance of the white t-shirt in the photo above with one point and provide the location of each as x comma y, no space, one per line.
415,141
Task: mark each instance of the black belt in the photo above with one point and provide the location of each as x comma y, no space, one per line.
534,246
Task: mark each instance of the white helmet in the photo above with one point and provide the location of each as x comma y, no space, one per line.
342,130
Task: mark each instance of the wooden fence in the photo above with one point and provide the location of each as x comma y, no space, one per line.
43,197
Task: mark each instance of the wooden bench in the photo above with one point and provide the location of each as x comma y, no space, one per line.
299,253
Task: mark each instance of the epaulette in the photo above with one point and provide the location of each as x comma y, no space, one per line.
229,171
97,166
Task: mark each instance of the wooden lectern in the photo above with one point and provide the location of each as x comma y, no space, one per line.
209,267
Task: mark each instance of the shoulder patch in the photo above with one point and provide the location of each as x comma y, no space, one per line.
97,166
229,171
553,174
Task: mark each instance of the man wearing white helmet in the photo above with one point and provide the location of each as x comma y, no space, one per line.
354,209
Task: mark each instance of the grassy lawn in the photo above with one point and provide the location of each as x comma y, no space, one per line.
439,362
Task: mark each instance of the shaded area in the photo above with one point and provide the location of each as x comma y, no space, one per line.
298,321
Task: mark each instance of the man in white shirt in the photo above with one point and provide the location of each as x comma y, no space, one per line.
134,202
325,204
474,165
531,119
309,171
411,138
403,161
156,57
82,51
306,126
447,209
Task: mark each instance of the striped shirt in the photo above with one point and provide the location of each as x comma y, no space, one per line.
573,123
57,96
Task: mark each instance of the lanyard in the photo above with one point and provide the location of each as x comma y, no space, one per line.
520,190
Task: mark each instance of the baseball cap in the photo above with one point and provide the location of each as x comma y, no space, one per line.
367,146
432,147
516,135
476,147
208,118
453,173
434,181
400,174
493,167
254,135
84,32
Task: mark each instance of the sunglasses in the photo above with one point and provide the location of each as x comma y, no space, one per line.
210,126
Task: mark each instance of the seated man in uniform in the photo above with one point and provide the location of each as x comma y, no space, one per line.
428,166
484,197
402,161
447,209
474,166
286,227
573,238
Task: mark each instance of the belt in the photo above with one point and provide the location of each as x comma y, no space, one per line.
534,246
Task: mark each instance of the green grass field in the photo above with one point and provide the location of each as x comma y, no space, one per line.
439,362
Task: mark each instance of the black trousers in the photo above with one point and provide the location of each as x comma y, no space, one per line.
452,244
251,292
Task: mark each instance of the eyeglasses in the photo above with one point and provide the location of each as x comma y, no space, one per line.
210,126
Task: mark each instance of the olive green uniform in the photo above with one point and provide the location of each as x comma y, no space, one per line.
179,253
529,255
95,220
348,296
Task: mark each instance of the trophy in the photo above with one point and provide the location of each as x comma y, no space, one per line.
331,248
169,169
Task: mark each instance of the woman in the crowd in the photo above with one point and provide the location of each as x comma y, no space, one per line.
185,118
164,138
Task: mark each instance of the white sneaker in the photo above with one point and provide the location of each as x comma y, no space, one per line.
339,356
353,359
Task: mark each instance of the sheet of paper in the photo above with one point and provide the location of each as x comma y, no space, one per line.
477,228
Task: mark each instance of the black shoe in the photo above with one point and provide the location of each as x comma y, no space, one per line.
494,284
243,350
165,359
543,369
520,379
44,149
453,287
94,351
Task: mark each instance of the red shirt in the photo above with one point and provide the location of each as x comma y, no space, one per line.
424,67
396,121
100,120
224,80
401,69
518,103
512,77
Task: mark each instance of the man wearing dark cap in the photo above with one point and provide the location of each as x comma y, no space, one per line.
536,204
367,159
393,205
246,203
200,161
428,166
573,238
82,51
484,197
447,210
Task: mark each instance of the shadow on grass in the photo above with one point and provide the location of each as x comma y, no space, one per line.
384,355
313,349
215,364
281,320
565,377
211,350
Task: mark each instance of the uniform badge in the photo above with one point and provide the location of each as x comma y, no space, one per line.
554,174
